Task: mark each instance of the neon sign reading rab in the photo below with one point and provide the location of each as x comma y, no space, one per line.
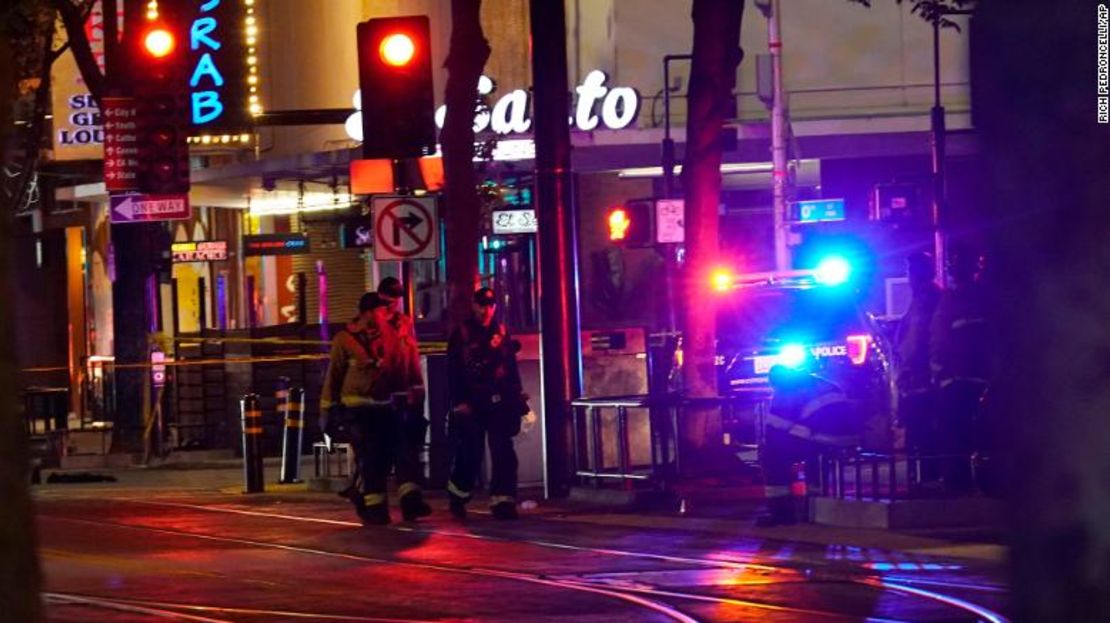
511,114
207,105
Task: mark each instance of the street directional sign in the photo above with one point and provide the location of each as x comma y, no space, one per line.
121,144
818,211
405,228
137,208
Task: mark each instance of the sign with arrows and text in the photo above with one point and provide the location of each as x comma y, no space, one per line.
405,228
138,208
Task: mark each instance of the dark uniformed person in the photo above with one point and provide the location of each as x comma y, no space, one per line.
808,415
916,398
959,357
487,400
362,381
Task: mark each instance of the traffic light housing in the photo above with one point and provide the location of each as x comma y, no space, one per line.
630,225
162,124
395,76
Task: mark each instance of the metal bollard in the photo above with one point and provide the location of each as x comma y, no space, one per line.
251,412
293,436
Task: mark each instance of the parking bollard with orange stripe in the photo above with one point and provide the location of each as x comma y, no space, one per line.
251,410
293,436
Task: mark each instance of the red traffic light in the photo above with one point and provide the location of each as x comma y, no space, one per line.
159,42
618,224
395,75
397,49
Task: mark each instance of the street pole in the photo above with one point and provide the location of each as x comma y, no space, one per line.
937,136
669,251
778,139
561,361
668,142
937,131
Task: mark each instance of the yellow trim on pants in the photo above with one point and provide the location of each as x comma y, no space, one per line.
457,492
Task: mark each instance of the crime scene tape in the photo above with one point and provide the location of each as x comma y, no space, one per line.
425,349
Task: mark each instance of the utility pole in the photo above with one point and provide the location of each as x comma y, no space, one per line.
937,142
560,331
778,135
937,132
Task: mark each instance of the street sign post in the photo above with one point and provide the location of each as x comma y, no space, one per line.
405,228
138,208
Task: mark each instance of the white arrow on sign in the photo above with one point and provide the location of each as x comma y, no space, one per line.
126,209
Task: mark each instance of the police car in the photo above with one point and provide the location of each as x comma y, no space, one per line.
807,320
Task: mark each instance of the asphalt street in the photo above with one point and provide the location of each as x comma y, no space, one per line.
181,545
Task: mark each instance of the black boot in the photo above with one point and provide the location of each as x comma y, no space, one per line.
376,515
504,510
780,512
457,506
414,507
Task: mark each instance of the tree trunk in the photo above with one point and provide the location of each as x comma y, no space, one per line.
1035,94
712,79
465,60
20,581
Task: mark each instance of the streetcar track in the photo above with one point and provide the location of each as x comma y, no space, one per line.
617,593
112,604
174,606
871,581
854,578
659,608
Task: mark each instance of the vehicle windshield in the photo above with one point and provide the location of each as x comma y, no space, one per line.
749,318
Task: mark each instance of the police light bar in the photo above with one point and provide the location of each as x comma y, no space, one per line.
722,281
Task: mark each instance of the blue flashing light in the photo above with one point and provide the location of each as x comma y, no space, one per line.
793,356
833,271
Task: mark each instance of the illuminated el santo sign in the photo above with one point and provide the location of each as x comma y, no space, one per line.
512,113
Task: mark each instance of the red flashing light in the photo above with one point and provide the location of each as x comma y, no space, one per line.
397,49
619,224
722,279
159,42
858,347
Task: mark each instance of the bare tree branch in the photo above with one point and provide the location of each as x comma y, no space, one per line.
73,18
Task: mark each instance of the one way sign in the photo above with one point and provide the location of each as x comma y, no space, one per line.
136,208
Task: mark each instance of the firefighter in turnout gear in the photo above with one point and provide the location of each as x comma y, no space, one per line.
360,392
959,357
409,396
807,415
916,396
487,401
